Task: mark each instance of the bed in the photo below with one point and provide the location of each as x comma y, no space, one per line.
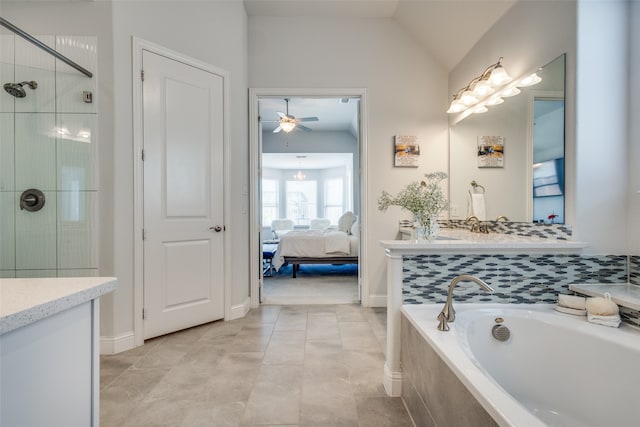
315,247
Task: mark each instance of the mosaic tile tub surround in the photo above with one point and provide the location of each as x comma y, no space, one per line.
516,278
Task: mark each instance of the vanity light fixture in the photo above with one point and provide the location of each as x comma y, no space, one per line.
488,89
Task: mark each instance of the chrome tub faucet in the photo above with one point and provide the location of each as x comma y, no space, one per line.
448,314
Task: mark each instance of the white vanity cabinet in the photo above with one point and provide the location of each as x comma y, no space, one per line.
49,351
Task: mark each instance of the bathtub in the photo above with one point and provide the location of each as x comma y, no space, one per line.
555,369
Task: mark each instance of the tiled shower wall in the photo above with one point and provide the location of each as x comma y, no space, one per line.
48,142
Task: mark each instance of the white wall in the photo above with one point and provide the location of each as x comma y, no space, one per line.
80,18
601,174
212,32
406,92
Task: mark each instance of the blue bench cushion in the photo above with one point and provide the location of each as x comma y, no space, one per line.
268,250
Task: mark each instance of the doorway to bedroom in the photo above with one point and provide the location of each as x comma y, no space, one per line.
308,199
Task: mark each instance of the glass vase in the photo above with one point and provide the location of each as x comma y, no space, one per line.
426,232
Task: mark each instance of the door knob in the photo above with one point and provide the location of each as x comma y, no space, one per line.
217,228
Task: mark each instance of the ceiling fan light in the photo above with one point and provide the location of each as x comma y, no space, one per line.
499,77
287,126
530,80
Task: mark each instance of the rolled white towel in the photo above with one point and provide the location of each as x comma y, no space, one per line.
600,306
572,301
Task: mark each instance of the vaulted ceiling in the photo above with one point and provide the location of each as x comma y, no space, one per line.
447,29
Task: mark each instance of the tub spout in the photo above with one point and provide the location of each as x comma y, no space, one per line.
448,314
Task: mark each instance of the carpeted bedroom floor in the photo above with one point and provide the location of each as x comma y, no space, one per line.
315,284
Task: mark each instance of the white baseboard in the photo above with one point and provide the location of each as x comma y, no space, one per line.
377,301
113,345
392,382
240,310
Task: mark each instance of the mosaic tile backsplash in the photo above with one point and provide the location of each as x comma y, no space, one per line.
634,270
516,278
527,229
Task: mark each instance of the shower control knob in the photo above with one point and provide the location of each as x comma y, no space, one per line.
32,200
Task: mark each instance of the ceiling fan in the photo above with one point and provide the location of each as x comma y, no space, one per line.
288,122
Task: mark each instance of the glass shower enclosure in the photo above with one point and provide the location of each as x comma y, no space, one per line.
48,157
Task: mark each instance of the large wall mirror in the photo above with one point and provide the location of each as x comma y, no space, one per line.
528,185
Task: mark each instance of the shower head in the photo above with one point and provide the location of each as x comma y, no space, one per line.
17,90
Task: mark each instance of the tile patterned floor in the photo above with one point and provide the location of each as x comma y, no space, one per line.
306,365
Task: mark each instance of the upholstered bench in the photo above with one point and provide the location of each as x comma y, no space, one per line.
268,251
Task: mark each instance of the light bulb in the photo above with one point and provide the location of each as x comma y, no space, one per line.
467,98
499,77
456,107
482,88
530,80
287,126
512,91
495,101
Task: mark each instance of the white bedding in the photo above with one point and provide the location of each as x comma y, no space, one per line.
314,244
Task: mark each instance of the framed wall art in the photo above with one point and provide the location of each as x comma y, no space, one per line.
490,151
407,151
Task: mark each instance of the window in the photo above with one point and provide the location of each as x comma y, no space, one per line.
302,201
269,201
333,199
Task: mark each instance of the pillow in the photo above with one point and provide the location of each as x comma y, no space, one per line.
319,224
277,234
346,221
355,228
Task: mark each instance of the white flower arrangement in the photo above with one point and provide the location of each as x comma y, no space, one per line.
424,199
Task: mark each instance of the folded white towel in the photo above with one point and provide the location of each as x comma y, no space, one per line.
477,206
612,321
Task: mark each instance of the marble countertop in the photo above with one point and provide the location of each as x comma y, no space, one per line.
623,294
456,240
24,301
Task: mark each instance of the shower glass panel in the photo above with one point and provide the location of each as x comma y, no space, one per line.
48,128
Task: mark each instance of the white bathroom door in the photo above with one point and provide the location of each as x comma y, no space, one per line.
183,195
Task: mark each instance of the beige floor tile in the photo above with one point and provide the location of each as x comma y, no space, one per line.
358,336
285,347
291,321
382,412
295,365
365,372
275,398
327,403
